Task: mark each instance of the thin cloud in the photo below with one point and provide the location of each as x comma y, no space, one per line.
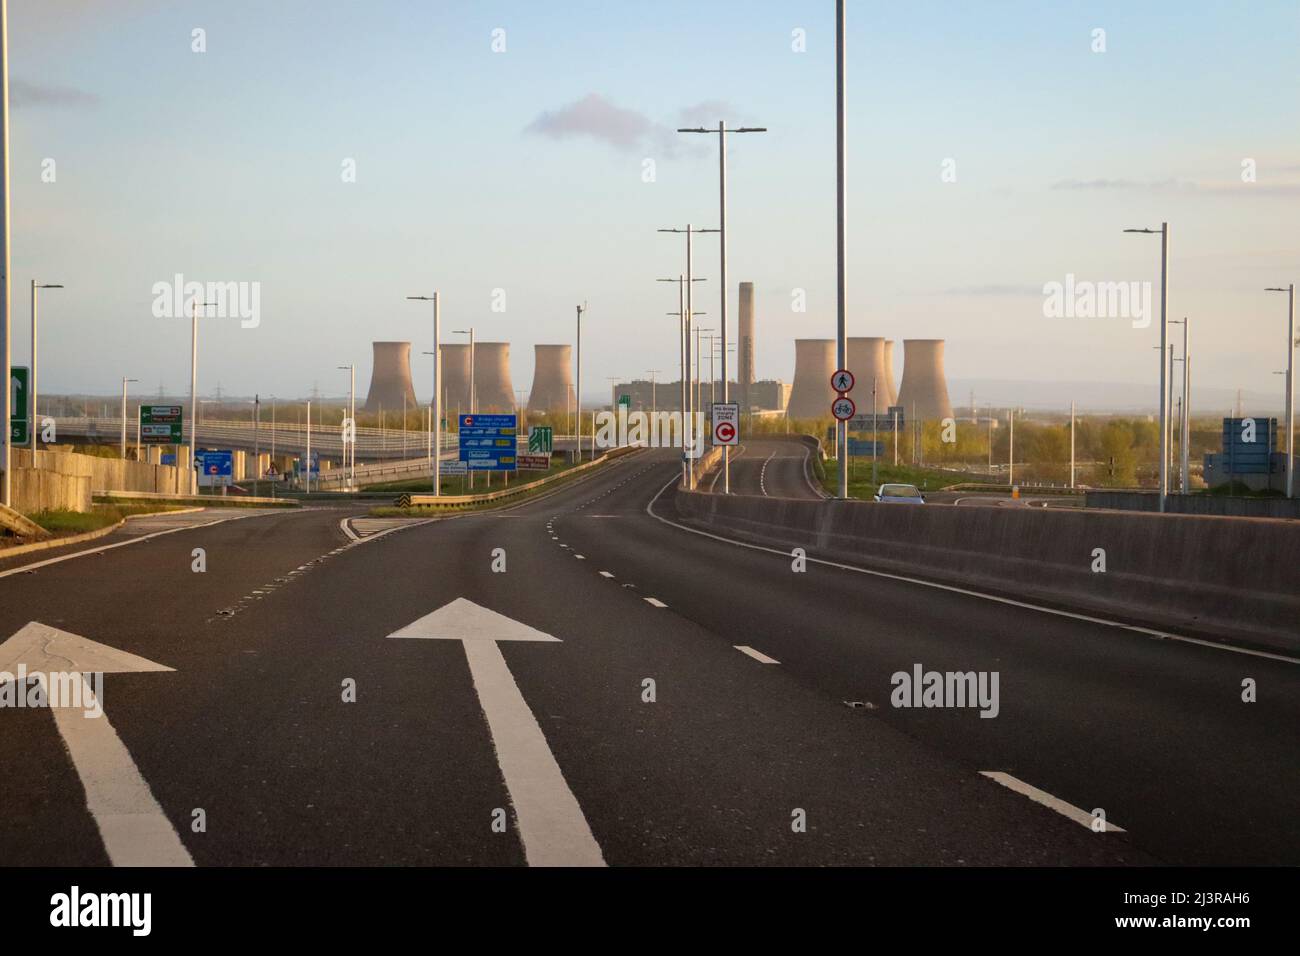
1100,184
23,94
597,118
1000,290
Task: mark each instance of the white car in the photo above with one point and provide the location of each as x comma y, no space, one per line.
899,494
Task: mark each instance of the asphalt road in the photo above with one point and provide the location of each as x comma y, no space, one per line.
771,467
718,760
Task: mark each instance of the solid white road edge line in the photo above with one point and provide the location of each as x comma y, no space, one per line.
757,655
1068,810
144,537
1150,632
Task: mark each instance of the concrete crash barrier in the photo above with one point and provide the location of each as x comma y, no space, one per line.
1226,505
1218,578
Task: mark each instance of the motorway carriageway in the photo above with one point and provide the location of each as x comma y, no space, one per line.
626,691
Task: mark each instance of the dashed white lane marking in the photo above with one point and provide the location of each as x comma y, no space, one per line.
606,574
580,557
1081,817
1137,628
762,473
757,655
656,602
23,569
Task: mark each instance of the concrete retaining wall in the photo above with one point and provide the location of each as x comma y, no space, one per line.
1207,576
33,490
107,474
66,480
1195,504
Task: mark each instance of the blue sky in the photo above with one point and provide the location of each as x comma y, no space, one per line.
225,165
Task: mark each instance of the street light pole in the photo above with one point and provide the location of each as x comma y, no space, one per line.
654,398
6,343
350,445
1290,386
1164,345
841,344
436,405
722,132
33,383
681,345
577,388
195,305
473,398
689,421
124,381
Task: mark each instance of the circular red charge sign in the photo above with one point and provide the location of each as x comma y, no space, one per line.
725,431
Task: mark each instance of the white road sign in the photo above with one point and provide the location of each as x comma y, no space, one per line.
726,423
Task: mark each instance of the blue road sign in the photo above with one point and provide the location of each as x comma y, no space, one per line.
169,458
866,449
215,467
488,442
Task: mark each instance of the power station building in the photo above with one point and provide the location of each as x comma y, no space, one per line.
390,377
866,360
552,378
745,350
924,395
492,384
811,393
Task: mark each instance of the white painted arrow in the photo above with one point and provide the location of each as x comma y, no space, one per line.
552,827
132,825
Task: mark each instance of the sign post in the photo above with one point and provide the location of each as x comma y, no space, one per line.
541,441
18,391
489,442
160,425
726,423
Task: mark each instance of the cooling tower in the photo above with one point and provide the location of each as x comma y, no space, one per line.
889,369
390,377
867,362
455,380
492,377
924,394
552,378
814,364
745,353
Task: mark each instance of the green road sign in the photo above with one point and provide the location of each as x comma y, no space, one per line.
625,400
18,382
160,425
540,439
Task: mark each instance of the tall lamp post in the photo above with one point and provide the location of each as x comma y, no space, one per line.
1290,385
722,132
124,384
841,342
689,421
350,446
577,388
681,344
1163,232
35,287
436,406
473,398
654,397
6,364
195,305
1184,415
